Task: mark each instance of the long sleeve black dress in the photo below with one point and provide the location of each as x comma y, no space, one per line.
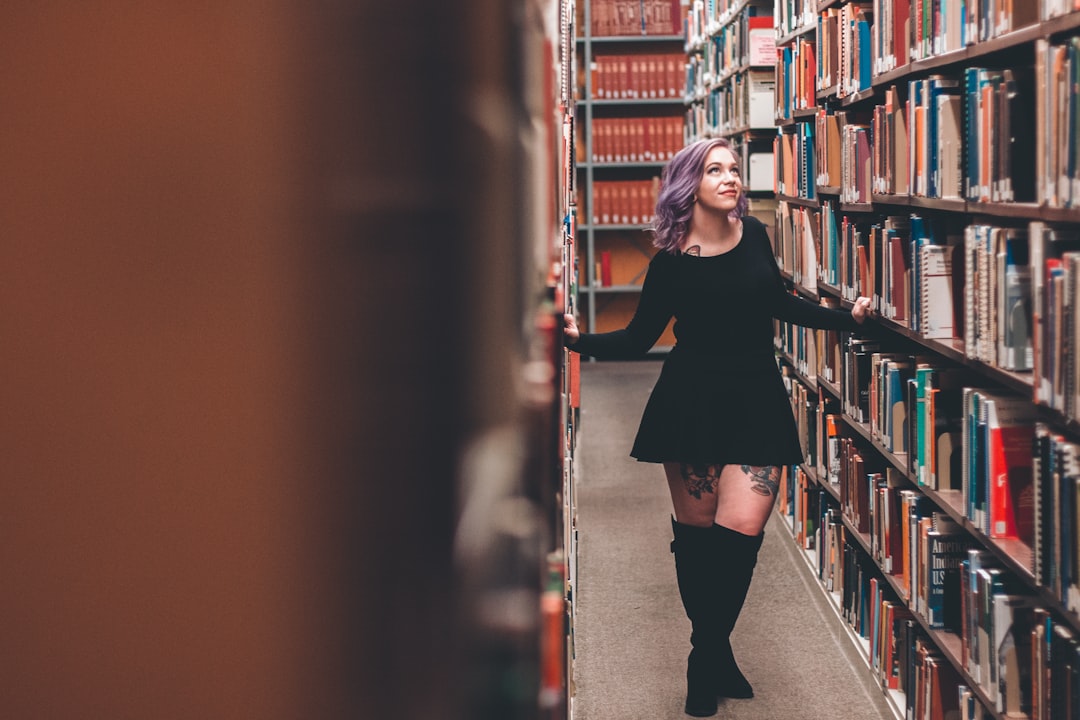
720,398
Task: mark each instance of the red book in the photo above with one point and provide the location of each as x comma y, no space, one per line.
573,371
1010,424
901,37
674,76
762,40
605,268
651,86
898,281
676,17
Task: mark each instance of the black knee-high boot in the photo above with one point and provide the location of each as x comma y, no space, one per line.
695,568
736,556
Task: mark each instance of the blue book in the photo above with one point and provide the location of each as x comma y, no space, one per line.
833,238
938,86
945,550
807,151
971,132
919,238
864,53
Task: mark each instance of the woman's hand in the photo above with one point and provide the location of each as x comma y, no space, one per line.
861,309
570,329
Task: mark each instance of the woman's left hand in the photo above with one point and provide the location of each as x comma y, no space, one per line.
861,309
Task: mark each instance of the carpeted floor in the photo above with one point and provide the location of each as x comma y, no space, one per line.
631,634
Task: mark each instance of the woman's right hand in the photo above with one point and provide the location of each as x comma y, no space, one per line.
570,329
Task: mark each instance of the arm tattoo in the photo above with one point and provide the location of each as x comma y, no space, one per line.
700,478
764,480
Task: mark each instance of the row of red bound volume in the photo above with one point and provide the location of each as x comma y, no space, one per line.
644,139
635,17
624,202
651,76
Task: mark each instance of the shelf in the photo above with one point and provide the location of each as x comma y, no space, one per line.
1013,554
806,380
829,387
615,289
949,643
1010,49
615,39
896,700
827,289
1017,210
800,201
1009,41
798,32
718,82
630,101
828,487
729,16
1022,210
953,349
626,165
614,228
949,204
859,97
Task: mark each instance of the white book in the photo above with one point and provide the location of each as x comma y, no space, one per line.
936,292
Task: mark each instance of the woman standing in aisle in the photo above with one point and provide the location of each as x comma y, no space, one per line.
718,419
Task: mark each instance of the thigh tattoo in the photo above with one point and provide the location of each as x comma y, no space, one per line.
700,478
764,480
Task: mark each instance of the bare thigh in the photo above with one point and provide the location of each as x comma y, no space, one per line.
739,497
745,497
693,492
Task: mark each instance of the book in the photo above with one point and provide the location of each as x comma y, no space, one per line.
762,40
1014,619
946,548
1014,302
1011,425
936,292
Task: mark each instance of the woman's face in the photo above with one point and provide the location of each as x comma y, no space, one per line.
721,183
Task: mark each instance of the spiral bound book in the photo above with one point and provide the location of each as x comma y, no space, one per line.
936,292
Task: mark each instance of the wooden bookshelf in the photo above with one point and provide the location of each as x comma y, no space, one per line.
1022,208
629,108
730,85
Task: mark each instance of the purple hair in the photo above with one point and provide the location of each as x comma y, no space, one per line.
678,184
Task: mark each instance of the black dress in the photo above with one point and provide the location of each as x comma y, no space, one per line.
720,397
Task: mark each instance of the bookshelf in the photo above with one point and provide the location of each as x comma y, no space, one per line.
731,83
927,157
557,606
631,71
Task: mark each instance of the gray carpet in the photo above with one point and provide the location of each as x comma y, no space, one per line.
631,634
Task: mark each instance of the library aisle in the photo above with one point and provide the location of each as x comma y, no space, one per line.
631,634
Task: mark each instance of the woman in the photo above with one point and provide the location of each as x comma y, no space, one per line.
718,419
